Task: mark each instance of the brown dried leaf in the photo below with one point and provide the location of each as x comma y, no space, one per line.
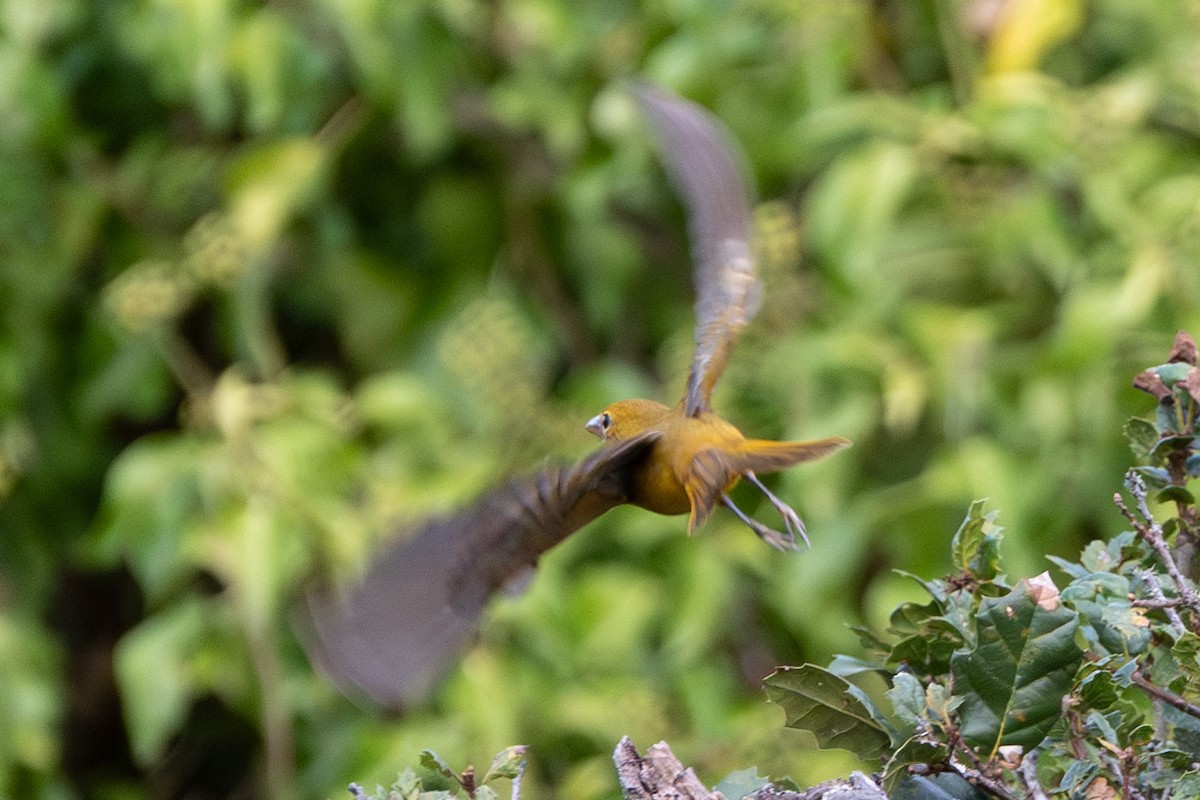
1043,591
1192,383
1149,382
1184,349
1100,789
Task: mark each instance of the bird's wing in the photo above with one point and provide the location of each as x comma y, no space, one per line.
394,633
698,152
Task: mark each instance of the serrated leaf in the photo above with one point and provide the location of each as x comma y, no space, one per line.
975,548
436,764
1099,557
1142,437
869,639
936,588
910,618
740,783
820,702
1098,689
907,696
929,651
1013,682
508,763
407,784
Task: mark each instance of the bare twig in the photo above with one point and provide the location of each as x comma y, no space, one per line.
1158,599
1152,533
1170,698
658,775
1028,774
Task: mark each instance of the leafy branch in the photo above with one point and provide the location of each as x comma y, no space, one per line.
1025,689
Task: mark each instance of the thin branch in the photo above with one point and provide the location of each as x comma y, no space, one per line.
1152,533
1170,698
1159,600
1028,774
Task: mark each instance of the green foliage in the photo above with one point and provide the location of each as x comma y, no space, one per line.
437,781
834,710
1085,691
278,277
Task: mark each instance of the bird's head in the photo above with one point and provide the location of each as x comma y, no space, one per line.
626,419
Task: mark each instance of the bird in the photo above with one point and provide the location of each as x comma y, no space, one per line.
392,634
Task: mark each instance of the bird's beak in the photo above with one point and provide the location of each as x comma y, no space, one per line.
593,426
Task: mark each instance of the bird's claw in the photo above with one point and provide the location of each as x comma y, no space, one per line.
791,520
784,542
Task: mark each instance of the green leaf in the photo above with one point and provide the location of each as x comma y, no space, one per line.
929,651
1077,776
1097,687
1155,477
1170,444
508,763
437,765
975,548
946,786
1176,494
844,666
155,671
1013,682
1185,730
737,785
910,618
908,754
908,701
820,702
1142,437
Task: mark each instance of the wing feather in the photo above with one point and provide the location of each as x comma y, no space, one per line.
697,150
394,633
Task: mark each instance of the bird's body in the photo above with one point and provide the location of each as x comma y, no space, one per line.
393,633
660,480
696,459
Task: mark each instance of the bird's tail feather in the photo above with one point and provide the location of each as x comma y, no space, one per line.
760,455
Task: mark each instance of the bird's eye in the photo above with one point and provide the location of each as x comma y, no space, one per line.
605,420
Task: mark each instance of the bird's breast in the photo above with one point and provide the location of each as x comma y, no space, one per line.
656,486
659,481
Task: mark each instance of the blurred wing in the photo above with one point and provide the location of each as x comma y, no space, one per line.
393,634
697,150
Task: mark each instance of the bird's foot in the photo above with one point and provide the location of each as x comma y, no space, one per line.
791,520
785,542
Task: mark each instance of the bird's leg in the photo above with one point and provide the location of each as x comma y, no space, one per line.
795,526
779,541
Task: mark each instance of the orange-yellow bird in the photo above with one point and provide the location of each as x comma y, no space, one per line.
394,633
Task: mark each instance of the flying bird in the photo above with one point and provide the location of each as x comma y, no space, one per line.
395,632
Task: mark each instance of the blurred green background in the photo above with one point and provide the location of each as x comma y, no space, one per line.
276,276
